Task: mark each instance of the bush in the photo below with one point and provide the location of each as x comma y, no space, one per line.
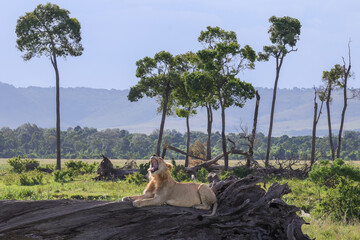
325,173
342,202
202,175
144,168
225,174
26,180
242,172
81,167
20,165
179,173
239,172
62,176
136,178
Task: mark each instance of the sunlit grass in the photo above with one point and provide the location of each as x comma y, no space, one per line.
325,229
305,194
83,187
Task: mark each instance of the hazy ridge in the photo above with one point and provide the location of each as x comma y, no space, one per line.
100,108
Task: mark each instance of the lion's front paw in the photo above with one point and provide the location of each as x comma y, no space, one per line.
136,203
126,199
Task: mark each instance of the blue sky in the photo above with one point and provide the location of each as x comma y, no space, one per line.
117,33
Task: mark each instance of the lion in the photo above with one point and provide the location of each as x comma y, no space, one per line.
163,189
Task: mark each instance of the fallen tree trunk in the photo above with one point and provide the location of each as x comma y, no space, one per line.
107,171
245,211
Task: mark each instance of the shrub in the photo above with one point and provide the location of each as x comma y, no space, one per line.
136,178
143,168
342,202
26,180
81,167
328,174
242,172
202,175
178,172
225,174
62,176
19,165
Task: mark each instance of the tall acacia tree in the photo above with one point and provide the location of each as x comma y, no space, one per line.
319,94
284,34
331,81
184,103
158,78
50,31
223,59
344,77
200,91
200,86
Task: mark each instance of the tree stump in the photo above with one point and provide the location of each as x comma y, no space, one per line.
245,211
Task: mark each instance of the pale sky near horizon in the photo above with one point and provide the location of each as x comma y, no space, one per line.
117,33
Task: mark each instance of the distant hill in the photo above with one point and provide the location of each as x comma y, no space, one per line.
102,109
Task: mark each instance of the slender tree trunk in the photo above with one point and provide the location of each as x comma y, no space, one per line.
338,150
278,67
313,140
329,124
187,140
58,130
253,133
223,136
209,126
346,75
162,124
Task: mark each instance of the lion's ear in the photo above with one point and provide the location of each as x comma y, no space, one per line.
169,165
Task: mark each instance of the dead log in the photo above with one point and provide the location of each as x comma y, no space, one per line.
167,146
246,211
107,171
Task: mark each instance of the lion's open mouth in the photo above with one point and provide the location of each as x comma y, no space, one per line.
154,166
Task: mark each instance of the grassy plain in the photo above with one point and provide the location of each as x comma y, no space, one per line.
304,195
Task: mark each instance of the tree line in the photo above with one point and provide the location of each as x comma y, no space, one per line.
32,141
207,78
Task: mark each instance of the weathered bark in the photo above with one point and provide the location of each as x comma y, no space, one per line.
162,124
58,130
317,114
187,140
328,98
246,211
249,157
209,127
278,68
313,138
107,171
346,76
223,136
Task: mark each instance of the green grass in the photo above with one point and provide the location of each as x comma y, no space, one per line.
305,194
83,187
325,229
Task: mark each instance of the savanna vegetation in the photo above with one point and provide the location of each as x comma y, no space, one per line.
31,141
181,83
329,195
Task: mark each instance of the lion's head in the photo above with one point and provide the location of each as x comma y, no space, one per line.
158,166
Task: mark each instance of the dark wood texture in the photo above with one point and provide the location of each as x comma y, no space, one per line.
245,211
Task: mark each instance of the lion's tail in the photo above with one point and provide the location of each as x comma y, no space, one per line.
213,211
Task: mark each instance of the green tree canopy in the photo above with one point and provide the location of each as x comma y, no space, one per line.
49,31
159,76
284,34
223,59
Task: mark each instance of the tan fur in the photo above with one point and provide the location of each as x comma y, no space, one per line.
163,189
